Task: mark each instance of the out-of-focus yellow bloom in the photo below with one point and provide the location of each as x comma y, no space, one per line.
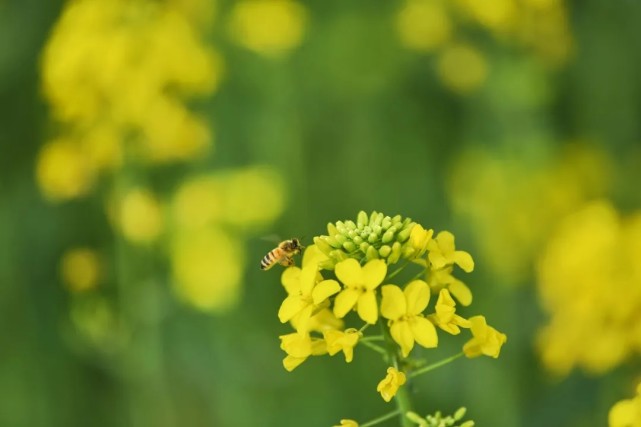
527,201
62,170
424,25
299,346
486,340
446,317
462,68
96,324
198,203
268,27
391,383
590,284
305,291
497,15
342,341
404,310
207,267
80,269
360,288
627,412
347,423
139,216
442,252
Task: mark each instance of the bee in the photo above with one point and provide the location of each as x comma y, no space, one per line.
282,254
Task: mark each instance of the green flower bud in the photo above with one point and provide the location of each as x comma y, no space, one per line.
372,238
349,247
363,247
357,239
384,251
322,245
340,238
331,229
362,220
350,225
387,223
404,234
372,253
333,242
388,236
395,255
460,413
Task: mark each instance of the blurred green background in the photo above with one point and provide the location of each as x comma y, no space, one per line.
147,147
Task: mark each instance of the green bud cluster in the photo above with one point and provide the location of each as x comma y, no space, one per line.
438,420
373,236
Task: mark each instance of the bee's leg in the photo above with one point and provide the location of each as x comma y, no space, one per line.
286,261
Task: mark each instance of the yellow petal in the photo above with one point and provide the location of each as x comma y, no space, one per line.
417,295
445,242
308,279
344,302
290,362
302,319
373,273
424,332
393,304
462,293
313,255
367,308
291,280
463,260
324,290
295,344
349,272
290,307
402,334
437,260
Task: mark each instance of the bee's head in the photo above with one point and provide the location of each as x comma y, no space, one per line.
297,245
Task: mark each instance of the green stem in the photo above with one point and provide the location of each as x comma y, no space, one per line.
419,275
374,347
433,366
380,419
398,270
373,338
365,326
402,397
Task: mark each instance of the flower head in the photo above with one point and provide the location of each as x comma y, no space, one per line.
446,317
419,240
391,383
342,340
486,340
404,310
306,290
360,288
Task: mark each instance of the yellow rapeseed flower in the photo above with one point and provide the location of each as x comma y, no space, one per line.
424,25
360,288
404,310
446,317
268,27
299,346
306,290
391,383
419,240
442,252
80,269
347,423
344,341
62,171
486,340
627,412
139,216
462,68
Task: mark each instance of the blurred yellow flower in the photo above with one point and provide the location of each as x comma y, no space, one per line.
404,310
391,383
486,340
497,15
207,267
62,171
590,285
462,68
424,25
344,341
627,412
360,288
268,27
139,216
347,423
80,269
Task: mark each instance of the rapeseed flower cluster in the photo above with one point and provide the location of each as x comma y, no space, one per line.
589,281
347,278
431,26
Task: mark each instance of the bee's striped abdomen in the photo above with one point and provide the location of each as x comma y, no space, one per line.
269,260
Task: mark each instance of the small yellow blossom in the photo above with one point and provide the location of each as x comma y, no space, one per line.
486,340
424,25
323,319
62,171
299,346
313,255
347,423
462,68
419,240
268,27
391,383
360,288
80,269
442,278
139,216
404,311
306,290
446,317
627,412
342,340
442,252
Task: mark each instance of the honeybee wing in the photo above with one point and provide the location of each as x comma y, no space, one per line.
272,238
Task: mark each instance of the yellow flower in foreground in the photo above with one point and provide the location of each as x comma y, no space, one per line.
442,252
360,288
627,412
347,423
80,269
419,240
299,347
442,278
446,317
305,293
486,341
342,340
391,383
403,309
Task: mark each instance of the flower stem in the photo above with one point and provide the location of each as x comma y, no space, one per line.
373,338
380,419
402,397
374,347
433,366
398,270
